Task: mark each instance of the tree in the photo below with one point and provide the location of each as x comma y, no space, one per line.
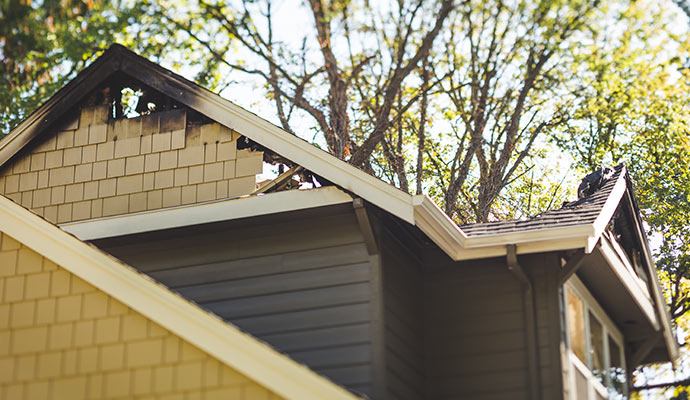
633,97
370,76
324,76
502,78
44,44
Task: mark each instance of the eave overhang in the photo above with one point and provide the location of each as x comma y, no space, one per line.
208,212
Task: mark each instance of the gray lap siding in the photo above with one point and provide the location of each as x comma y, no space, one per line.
301,284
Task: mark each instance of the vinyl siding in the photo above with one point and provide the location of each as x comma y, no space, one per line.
475,344
299,281
404,329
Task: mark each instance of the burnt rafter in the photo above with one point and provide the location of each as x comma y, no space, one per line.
273,158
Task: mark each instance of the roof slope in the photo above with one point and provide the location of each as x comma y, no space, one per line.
580,212
204,330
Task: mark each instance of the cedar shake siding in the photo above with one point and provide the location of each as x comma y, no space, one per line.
299,281
62,338
93,166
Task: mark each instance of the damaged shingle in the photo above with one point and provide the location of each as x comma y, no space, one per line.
580,212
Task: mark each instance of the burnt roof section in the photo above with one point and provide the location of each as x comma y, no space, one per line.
580,212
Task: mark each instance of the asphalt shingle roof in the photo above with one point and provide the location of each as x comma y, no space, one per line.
584,211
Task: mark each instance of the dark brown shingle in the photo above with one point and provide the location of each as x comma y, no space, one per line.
580,212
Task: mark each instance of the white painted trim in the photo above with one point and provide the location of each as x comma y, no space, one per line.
608,209
430,219
593,384
427,216
201,213
579,287
641,297
626,261
526,247
223,341
591,306
536,235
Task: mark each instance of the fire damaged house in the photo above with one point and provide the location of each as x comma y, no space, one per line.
141,257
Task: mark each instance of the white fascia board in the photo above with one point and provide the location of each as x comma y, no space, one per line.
639,295
609,208
541,246
626,262
538,235
431,220
223,341
201,213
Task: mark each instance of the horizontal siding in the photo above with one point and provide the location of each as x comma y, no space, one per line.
474,337
302,284
475,341
224,242
403,334
336,316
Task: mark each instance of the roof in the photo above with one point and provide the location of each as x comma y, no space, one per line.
216,337
573,227
580,212
577,225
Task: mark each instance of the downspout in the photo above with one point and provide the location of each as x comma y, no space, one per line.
528,304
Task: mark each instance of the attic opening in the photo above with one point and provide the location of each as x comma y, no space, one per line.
620,229
127,97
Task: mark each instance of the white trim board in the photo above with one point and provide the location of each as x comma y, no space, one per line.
629,281
201,213
220,339
428,218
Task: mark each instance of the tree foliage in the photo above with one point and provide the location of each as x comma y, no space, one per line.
633,97
44,43
633,94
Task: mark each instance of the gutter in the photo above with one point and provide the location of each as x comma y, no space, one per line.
431,220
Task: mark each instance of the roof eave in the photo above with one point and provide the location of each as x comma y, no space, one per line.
204,213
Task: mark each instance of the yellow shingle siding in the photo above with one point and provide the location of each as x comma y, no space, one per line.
92,168
62,338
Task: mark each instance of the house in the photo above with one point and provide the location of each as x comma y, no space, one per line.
323,282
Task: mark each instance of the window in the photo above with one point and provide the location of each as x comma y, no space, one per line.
595,347
576,325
